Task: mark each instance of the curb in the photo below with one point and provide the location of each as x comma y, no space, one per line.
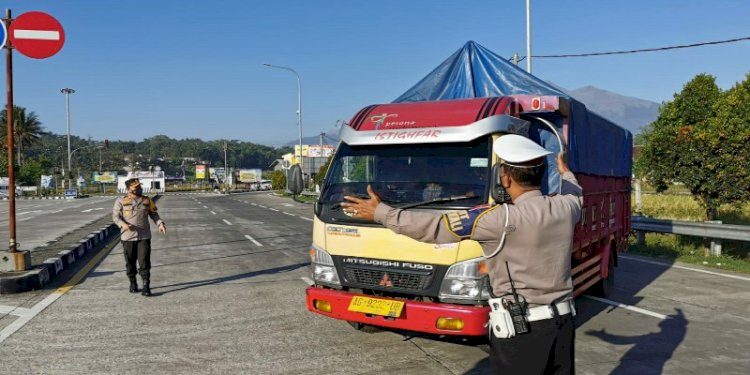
42,274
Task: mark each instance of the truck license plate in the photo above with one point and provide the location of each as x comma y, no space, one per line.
376,306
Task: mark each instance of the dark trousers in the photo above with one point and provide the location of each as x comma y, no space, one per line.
547,349
141,251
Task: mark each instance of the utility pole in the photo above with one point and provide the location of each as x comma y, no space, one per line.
67,92
226,170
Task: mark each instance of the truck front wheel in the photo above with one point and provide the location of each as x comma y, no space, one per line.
605,286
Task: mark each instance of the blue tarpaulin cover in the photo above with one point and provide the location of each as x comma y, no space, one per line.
596,145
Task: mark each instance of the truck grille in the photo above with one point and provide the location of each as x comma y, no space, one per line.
400,280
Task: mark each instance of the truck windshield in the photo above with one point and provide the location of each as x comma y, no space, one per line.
405,175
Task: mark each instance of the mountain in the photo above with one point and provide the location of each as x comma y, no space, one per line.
630,113
330,137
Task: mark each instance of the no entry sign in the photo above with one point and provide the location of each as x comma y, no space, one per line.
36,34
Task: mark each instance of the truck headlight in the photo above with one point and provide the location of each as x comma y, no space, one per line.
322,266
466,280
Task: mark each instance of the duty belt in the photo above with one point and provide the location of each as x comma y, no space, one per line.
547,311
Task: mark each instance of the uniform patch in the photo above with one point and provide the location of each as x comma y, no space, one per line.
461,223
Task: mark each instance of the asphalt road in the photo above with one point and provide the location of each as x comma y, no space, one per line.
229,280
41,221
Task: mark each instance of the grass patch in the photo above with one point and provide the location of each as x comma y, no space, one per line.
693,250
689,249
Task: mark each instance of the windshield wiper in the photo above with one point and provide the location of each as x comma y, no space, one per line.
337,205
436,200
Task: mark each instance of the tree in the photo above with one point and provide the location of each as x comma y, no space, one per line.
322,171
701,140
278,180
27,129
30,173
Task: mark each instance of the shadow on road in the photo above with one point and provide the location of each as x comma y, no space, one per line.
219,280
650,352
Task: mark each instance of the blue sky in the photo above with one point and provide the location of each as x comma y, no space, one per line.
193,69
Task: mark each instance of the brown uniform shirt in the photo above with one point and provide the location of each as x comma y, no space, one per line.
135,211
538,244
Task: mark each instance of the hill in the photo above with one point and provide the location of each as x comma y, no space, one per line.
630,113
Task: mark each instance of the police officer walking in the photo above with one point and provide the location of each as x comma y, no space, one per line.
131,214
528,246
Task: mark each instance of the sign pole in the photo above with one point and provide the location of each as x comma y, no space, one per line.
9,114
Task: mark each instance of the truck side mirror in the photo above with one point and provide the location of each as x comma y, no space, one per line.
497,191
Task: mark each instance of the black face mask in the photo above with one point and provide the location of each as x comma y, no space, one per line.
138,191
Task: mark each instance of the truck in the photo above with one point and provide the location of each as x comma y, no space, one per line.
365,274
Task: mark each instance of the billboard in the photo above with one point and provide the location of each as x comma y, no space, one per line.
250,175
48,182
105,177
319,151
200,171
216,174
304,150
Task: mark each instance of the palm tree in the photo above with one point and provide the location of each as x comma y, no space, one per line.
27,129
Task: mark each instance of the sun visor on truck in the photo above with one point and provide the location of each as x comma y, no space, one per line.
444,134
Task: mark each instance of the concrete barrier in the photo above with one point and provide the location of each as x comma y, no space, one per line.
41,274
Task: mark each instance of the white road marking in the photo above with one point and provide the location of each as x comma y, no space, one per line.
254,241
254,204
288,205
29,314
36,34
227,221
307,280
273,209
628,307
22,320
287,213
93,209
204,206
213,213
685,268
28,212
56,211
14,310
262,206
306,218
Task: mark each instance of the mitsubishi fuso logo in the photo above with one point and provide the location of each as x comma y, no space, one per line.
385,281
379,119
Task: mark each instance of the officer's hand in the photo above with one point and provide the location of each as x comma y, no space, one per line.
129,227
361,208
162,228
562,167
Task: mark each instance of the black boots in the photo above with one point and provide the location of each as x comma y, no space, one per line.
133,286
146,289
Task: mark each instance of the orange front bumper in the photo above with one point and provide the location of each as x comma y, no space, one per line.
416,316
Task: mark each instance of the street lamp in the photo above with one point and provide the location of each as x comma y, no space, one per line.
299,109
528,36
67,92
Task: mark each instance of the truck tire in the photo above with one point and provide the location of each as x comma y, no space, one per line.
604,287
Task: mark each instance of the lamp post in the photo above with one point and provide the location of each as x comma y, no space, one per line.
528,36
67,92
299,109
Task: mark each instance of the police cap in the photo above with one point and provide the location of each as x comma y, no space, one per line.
132,182
516,149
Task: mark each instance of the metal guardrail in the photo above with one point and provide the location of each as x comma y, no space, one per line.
691,228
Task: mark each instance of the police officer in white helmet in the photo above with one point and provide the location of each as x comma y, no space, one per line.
528,244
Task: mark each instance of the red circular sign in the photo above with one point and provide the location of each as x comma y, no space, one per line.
36,34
